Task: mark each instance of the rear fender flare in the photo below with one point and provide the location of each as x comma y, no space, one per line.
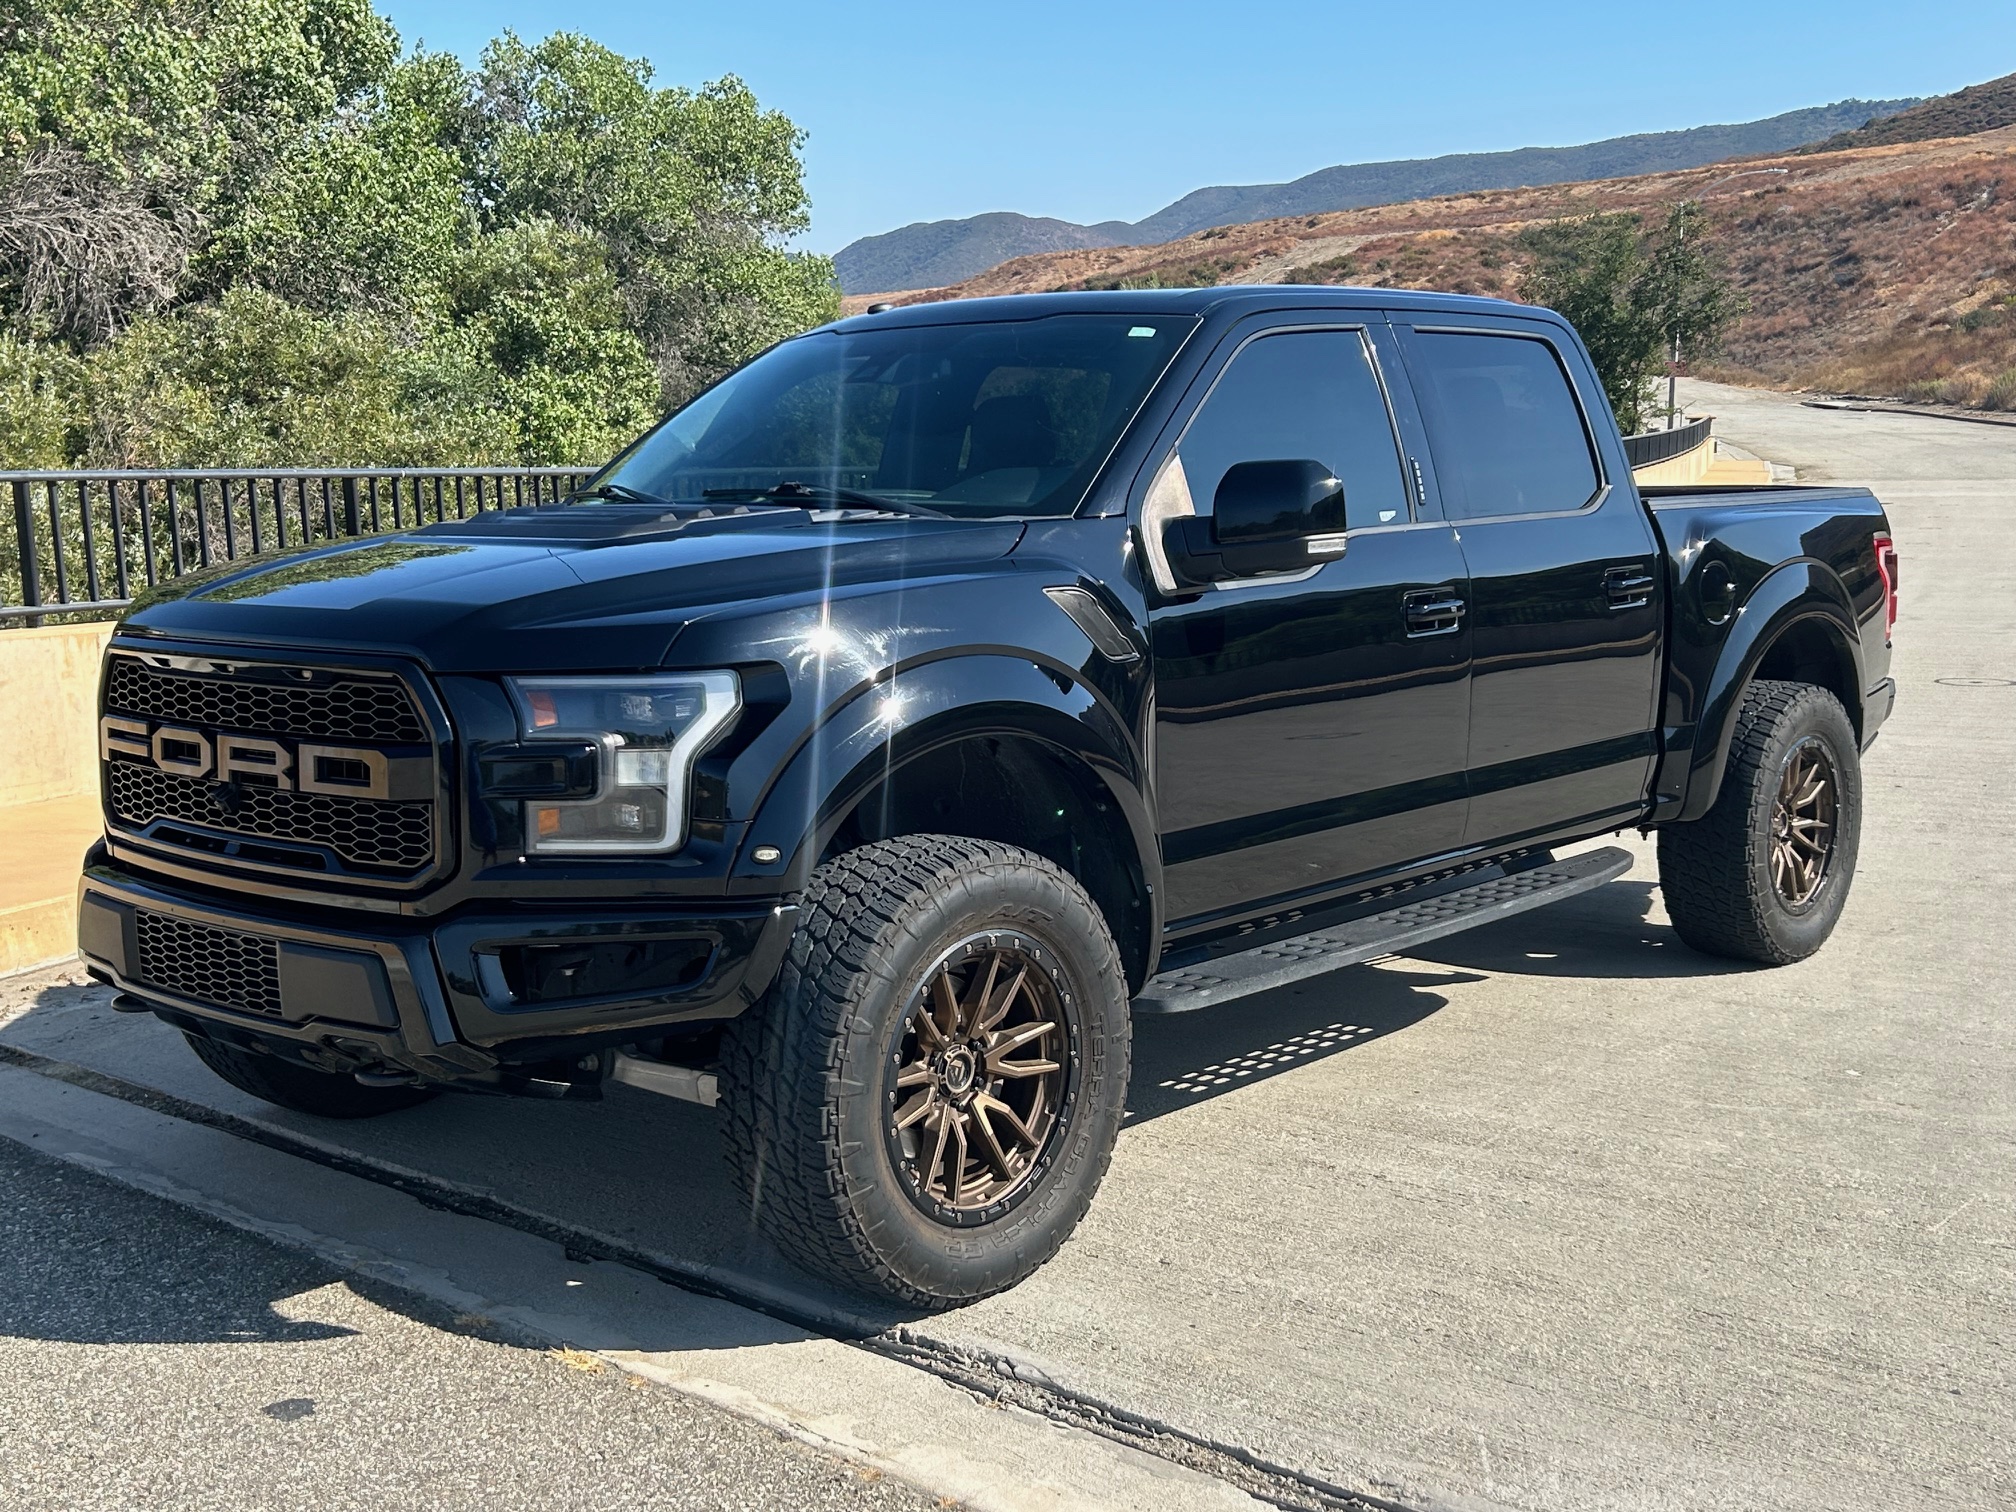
1795,593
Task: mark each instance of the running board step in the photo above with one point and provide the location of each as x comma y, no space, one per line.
1396,930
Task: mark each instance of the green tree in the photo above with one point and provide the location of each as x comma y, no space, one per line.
1684,291
692,193
1632,296
253,381
366,212
1589,271
538,307
250,232
129,129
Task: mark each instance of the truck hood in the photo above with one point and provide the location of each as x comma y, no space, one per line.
583,588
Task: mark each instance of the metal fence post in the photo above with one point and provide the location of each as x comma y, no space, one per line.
24,539
353,520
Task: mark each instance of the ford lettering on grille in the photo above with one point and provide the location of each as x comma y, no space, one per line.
270,768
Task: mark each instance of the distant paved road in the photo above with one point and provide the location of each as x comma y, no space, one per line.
150,1358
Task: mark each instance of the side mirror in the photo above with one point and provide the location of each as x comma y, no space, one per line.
1267,517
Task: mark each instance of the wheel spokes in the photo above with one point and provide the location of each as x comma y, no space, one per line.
934,1168
1003,1003
945,1001
990,1142
1008,1115
975,1005
1803,824
976,1087
1004,1044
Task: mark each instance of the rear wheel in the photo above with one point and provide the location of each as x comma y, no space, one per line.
1764,874
289,1084
926,1101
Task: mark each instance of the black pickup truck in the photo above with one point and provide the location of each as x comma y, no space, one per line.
877,733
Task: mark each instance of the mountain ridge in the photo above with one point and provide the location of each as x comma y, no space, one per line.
929,254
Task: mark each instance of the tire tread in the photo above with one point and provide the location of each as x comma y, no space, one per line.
781,1061
1707,867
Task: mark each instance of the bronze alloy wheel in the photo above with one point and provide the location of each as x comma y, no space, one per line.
982,1077
1804,818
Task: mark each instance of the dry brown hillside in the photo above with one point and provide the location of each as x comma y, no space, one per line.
1888,269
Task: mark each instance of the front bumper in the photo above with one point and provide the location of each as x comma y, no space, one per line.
439,999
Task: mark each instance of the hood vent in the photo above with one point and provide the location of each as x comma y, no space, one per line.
608,524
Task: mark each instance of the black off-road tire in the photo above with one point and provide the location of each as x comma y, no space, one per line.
807,1088
1716,871
290,1084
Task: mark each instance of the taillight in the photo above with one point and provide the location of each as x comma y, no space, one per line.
1886,569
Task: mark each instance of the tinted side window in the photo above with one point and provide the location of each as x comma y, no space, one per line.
1507,434
1301,395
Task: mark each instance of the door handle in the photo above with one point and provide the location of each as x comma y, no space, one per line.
1628,587
1433,611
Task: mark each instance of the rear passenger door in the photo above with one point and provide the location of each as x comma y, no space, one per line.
1565,576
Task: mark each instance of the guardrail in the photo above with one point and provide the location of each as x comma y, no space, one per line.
1663,446
82,541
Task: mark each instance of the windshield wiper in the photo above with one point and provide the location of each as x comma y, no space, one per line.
793,490
617,493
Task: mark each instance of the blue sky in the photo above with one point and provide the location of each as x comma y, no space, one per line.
1093,111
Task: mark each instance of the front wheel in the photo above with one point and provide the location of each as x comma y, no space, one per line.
1764,874
924,1104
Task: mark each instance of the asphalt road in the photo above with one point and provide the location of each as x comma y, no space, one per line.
151,1357
1554,1215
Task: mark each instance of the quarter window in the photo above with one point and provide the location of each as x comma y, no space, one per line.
1503,423
1295,396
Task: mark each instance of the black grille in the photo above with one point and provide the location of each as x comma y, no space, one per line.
356,709
362,831
209,965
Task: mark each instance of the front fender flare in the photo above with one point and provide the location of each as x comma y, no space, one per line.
925,707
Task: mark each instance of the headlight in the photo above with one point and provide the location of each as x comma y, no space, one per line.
649,731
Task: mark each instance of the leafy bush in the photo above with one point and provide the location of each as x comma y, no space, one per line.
1634,298
1328,270
251,233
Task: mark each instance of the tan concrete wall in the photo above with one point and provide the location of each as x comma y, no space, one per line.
48,706
1689,467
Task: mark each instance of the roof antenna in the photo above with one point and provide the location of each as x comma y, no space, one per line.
881,305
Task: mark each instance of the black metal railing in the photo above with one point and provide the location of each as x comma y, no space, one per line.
82,543
1664,446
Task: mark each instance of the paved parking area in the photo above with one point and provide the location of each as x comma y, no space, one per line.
1557,1215
150,1357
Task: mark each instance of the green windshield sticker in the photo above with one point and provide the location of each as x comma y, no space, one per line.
1142,331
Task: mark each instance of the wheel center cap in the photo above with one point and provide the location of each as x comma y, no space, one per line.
959,1071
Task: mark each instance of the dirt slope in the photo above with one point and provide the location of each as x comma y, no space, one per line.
1977,108
1889,269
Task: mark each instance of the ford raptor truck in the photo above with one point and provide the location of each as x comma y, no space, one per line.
863,746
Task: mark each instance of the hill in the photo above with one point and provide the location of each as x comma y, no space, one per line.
1977,108
1886,269
932,253
928,253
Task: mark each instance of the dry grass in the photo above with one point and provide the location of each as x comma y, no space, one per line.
1969,361
1867,270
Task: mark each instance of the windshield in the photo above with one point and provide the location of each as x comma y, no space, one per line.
988,420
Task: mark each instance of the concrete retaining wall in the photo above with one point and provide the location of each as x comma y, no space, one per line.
49,694
49,789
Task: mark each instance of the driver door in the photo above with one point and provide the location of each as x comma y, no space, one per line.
1310,728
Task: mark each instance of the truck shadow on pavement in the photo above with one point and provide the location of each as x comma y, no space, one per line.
1604,933
1183,1059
